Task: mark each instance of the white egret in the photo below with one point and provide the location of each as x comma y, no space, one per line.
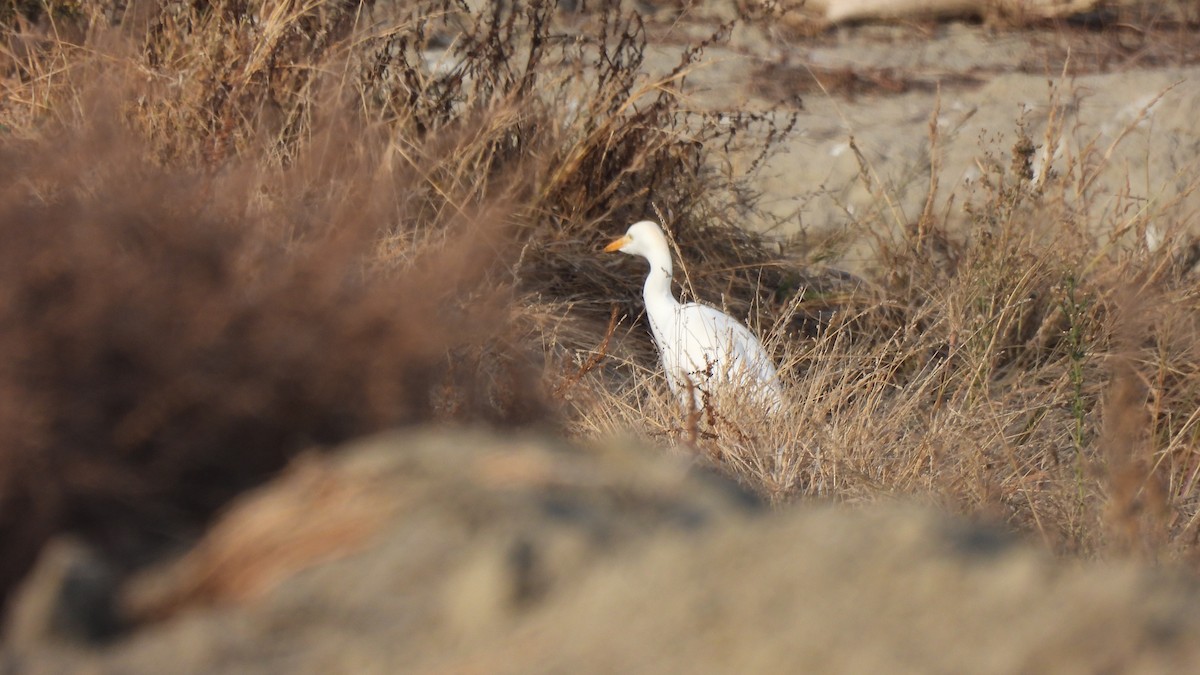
704,351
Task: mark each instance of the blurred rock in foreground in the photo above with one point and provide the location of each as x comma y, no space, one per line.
459,551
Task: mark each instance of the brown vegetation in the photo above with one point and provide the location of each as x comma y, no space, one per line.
295,231
171,339
234,231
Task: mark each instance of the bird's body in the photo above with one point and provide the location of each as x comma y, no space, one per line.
704,352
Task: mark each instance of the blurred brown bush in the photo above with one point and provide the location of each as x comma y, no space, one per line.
168,339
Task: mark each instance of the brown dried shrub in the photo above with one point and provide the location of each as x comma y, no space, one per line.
169,338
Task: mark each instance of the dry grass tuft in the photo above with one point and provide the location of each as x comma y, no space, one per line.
171,339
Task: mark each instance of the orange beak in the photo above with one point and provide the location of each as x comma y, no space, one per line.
616,244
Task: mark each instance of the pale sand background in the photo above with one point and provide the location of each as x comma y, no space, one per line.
814,184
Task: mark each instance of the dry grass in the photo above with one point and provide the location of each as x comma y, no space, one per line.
171,339
237,230
240,230
1014,366
1009,364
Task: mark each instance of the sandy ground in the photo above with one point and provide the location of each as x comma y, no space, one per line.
1133,121
464,552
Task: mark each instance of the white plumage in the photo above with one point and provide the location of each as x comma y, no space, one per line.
699,345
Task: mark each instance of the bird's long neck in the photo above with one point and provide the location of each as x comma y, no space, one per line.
657,291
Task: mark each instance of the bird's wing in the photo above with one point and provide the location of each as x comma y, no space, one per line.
713,337
699,338
735,353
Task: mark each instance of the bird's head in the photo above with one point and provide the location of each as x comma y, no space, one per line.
644,238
